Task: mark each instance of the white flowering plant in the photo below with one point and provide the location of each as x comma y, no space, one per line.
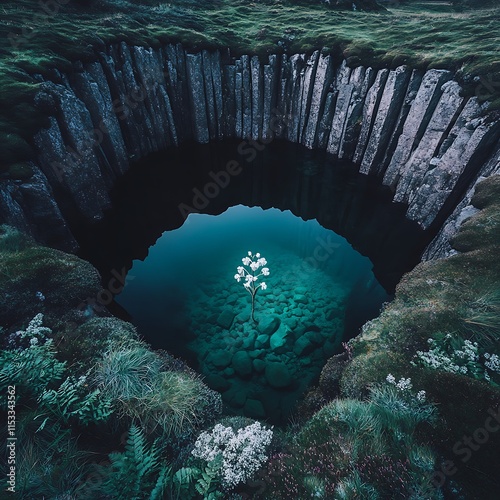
405,386
242,452
250,274
457,355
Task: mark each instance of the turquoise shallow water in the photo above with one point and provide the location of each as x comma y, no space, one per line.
183,297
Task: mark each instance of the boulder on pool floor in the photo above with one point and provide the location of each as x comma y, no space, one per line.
278,375
268,324
225,319
220,359
242,364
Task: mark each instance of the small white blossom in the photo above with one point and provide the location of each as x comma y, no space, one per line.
421,396
265,271
390,378
246,261
263,285
254,266
249,253
35,329
404,384
237,277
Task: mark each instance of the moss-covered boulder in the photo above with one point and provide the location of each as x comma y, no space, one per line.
37,279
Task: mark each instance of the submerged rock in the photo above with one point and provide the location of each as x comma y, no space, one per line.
225,319
303,346
217,382
278,375
268,325
279,339
242,364
220,359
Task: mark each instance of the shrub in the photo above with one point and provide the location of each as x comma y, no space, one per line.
456,355
242,452
72,401
31,369
37,374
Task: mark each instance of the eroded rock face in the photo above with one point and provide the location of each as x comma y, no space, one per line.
411,129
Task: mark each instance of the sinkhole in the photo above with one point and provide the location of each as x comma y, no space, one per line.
184,220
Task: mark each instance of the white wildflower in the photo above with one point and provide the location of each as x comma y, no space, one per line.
404,384
421,396
243,452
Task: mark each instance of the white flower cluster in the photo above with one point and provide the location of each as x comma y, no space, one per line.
243,452
35,331
405,385
437,358
492,363
251,277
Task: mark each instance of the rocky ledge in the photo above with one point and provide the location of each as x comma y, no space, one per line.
412,129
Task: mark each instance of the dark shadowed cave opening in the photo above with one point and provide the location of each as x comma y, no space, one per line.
159,191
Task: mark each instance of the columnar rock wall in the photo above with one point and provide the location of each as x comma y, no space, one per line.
411,129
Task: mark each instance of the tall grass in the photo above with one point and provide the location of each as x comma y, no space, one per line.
170,402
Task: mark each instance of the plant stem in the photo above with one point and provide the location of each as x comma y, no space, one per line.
253,301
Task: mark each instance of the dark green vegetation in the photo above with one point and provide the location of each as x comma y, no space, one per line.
83,379
458,296
422,35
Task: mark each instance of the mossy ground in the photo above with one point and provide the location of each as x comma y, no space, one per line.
436,297
424,34
444,296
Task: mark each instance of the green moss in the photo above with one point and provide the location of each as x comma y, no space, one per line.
64,280
424,35
438,297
